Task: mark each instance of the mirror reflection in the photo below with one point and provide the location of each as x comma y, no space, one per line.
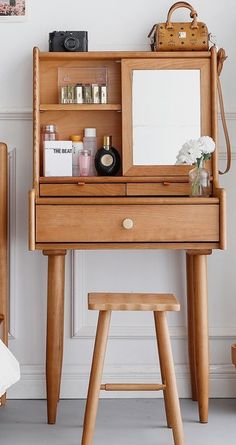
165,113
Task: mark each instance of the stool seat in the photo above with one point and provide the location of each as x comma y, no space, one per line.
132,302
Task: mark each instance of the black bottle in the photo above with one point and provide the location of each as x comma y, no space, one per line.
107,159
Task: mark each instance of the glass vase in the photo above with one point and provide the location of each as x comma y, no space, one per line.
199,180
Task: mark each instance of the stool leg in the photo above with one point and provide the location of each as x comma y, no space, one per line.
170,381
167,409
96,376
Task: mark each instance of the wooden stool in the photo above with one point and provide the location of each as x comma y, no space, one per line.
159,304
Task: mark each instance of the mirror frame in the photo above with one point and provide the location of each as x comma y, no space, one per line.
206,100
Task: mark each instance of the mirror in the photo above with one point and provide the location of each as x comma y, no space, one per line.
166,112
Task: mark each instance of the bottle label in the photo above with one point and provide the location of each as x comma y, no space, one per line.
107,160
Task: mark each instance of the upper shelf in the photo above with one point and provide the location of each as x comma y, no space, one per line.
104,55
80,107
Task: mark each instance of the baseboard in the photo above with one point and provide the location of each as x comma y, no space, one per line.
75,380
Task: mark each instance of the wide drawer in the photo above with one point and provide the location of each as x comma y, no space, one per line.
82,189
127,223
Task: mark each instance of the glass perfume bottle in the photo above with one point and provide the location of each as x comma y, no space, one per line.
107,159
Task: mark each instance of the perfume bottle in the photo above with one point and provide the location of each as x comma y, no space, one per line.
107,159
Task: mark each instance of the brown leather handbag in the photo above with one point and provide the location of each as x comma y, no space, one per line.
180,36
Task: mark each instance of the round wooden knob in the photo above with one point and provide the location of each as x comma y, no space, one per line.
128,223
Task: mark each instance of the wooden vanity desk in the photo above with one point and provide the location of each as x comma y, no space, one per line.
145,207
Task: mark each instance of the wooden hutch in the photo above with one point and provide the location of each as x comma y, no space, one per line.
144,207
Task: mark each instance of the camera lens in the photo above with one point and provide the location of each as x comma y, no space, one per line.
71,44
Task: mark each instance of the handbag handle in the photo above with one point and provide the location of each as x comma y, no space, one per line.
221,57
193,14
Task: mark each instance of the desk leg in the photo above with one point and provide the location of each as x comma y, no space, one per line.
4,325
3,251
191,323
201,333
4,328
55,329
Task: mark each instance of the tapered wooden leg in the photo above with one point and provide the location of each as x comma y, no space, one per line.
61,349
201,334
170,380
191,325
3,248
55,329
95,377
167,404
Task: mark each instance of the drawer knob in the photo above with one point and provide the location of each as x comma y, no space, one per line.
128,223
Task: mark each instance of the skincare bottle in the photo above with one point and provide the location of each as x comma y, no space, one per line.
77,146
107,159
90,143
84,162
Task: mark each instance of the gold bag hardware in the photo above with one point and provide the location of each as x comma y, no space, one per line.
180,36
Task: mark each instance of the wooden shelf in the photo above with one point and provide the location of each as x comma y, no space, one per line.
128,200
80,107
111,179
108,179
117,55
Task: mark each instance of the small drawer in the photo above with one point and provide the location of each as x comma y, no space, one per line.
127,223
82,189
158,189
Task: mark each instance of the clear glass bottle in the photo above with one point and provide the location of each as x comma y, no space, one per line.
107,159
77,146
90,143
48,133
199,179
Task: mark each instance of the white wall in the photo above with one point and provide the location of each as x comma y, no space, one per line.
132,353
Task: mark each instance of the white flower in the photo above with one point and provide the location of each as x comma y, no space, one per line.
184,158
196,150
190,152
207,144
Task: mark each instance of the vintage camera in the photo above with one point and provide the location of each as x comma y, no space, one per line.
68,41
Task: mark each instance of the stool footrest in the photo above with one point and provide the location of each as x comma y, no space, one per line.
132,387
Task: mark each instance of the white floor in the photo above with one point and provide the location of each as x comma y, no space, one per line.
120,422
